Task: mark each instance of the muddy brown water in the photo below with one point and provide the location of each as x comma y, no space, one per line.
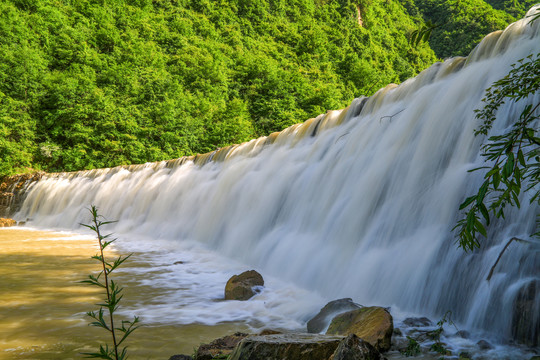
42,305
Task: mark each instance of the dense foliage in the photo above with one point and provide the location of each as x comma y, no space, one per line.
98,83
517,8
457,25
513,156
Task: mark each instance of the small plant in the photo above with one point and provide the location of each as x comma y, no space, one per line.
438,346
113,296
412,349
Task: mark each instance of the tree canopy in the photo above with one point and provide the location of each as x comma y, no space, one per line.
98,83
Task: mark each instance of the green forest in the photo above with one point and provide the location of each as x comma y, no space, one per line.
99,83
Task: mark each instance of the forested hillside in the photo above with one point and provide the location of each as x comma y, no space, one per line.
459,25
99,83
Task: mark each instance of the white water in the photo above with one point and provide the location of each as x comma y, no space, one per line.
364,209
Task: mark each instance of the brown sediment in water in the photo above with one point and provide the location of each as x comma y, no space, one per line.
43,305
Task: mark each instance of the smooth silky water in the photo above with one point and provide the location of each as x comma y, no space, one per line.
356,203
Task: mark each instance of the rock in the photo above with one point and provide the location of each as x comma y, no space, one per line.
399,344
526,315
218,347
240,287
464,355
417,322
5,222
321,321
286,347
354,348
464,334
484,345
180,357
535,358
372,324
13,190
398,332
269,332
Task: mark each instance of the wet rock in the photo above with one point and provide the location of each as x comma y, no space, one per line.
219,347
180,357
5,222
464,356
240,287
484,345
464,334
269,332
354,348
13,190
320,322
286,347
399,344
417,322
526,315
372,324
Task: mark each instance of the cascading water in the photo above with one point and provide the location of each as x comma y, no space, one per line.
355,203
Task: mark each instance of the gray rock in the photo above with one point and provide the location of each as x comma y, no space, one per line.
417,322
286,347
240,287
354,348
484,345
464,334
321,321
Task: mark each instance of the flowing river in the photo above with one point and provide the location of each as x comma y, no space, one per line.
356,203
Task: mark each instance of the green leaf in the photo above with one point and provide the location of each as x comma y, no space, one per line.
496,180
521,158
467,202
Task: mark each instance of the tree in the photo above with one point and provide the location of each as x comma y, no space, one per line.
514,155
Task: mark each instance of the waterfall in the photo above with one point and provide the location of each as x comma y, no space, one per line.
354,203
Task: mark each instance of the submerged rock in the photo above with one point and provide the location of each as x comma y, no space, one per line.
354,348
219,347
321,321
372,324
484,345
240,287
464,334
5,222
417,322
286,347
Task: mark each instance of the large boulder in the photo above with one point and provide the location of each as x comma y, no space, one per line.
286,347
321,321
5,222
372,324
354,348
240,287
219,347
